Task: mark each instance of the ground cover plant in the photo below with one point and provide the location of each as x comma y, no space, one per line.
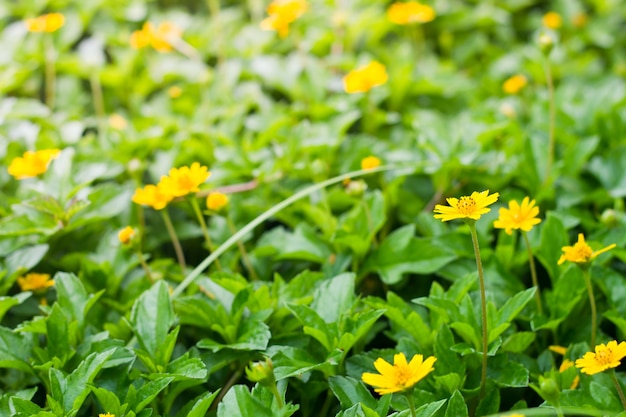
312,208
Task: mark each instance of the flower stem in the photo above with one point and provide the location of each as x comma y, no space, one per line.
205,231
242,249
279,400
533,272
144,265
409,398
50,71
592,303
483,307
619,388
175,242
552,122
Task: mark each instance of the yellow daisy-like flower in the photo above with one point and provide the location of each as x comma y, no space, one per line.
184,180
159,37
126,234
50,22
365,78
34,282
410,12
32,163
370,162
605,357
581,252
466,207
400,376
514,84
282,13
153,196
552,20
216,201
518,216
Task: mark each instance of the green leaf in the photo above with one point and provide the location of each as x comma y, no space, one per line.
313,325
456,406
518,342
25,258
108,401
302,244
151,318
358,410
58,334
333,297
553,238
238,402
24,407
429,410
198,406
506,372
149,391
73,297
349,391
6,302
15,350
186,368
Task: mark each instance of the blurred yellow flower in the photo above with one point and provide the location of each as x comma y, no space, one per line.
153,196
365,78
581,252
518,216
282,13
50,22
184,180
467,207
216,201
370,162
605,357
34,282
31,164
558,349
126,234
552,20
107,415
410,12
117,122
159,37
400,376
579,20
174,91
514,84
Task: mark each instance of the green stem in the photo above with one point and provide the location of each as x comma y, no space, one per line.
552,122
483,306
205,230
618,387
242,249
144,265
533,272
279,400
326,404
409,398
96,92
180,256
269,213
592,304
50,71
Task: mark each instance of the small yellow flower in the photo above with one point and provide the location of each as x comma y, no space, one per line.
282,13
467,207
365,78
117,122
32,163
518,217
605,357
107,415
410,12
184,180
174,91
50,22
126,234
216,201
160,37
400,376
34,282
153,196
515,415
581,252
370,162
514,84
552,20
558,349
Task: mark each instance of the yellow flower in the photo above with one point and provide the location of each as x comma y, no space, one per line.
581,252
370,162
32,163
558,349
282,13
160,37
400,376
365,78
514,84
216,201
514,415
50,22
34,282
518,217
106,415
410,12
126,234
174,91
117,122
605,357
153,196
552,20
467,207
184,180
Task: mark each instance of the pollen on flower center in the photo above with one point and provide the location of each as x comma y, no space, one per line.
583,252
403,375
467,205
604,357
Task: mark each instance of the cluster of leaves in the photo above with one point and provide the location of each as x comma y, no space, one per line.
342,276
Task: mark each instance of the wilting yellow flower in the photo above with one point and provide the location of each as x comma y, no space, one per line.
126,234
184,180
365,78
514,84
174,91
32,163
605,357
558,349
518,217
581,252
282,13
400,376
552,20
216,201
160,37
34,282
50,22
410,12
153,196
370,162
467,207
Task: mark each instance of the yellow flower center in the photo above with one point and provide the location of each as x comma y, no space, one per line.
403,374
604,357
467,205
583,252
